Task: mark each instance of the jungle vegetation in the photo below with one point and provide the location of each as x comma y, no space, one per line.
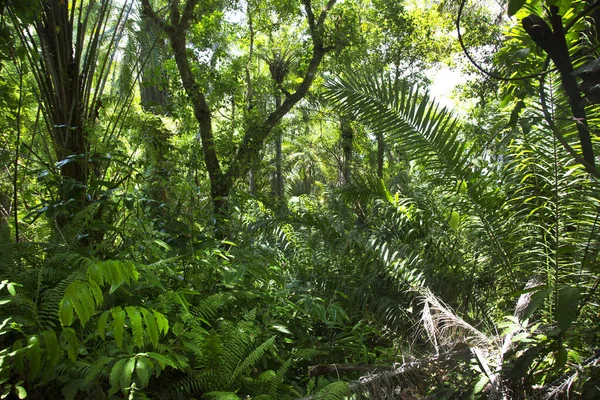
259,199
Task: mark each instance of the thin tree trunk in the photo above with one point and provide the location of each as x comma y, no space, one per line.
278,156
249,90
380,154
220,184
347,136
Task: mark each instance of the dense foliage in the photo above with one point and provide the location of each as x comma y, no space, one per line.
259,199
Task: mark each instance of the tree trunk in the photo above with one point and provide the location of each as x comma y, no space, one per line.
64,107
278,156
380,154
347,136
219,183
256,133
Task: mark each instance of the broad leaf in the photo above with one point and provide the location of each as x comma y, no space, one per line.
127,373
566,306
143,369
136,325
514,6
118,315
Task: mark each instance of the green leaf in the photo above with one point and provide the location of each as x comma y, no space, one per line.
514,6
52,347
483,380
65,312
21,392
222,396
334,391
136,325
118,315
536,300
115,376
282,329
127,373
71,388
561,357
161,322
78,297
177,329
575,356
12,291
72,343
34,356
95,369
96,292
162,360
151,327
143,370
454,221
514,115
102,321
566,306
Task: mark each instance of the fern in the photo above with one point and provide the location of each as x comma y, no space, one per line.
333,391
84,296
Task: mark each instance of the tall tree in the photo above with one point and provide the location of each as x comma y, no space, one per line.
176,26
71,59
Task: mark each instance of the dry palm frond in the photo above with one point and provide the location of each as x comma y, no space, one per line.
444,328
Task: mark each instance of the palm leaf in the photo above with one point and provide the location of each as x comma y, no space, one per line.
425,130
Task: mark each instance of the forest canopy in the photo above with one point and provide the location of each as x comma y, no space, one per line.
260,199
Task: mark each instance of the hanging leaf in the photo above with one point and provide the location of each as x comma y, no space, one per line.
118,315
65,312
21,392
566,306
536,300
95,369
126,374
115,376
454,220
151,327
222,396
561,357
102,321
161,321
71,343
136,325
162,360
143,369
514,6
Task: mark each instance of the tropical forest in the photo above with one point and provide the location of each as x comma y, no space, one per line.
299,199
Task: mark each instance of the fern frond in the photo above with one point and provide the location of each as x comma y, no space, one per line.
333,391
251,359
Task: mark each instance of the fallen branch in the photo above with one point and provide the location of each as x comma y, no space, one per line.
399,371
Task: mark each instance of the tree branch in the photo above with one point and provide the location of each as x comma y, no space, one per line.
175,16
555,45
149,12
256,135
310,16
324,12
188,12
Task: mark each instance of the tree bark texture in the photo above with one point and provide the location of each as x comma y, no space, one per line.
61,93
553,42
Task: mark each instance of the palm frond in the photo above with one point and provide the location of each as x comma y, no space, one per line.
426,130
